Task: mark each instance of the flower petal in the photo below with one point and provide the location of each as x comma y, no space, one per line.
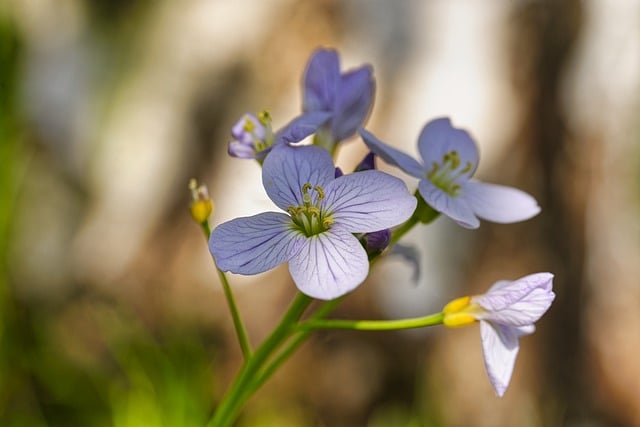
499,203
353,102
368,201
286,169
301,127
241,150
321,80
393,156
330,264
500,347
254,244
518,303
438,138
455,208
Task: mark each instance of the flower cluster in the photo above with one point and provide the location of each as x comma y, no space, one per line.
331,224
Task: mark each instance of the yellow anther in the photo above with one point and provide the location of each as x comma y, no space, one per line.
306,187
249,125
327,221
320,192
467,168
264,117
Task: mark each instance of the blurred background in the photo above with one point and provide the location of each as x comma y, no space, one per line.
111,313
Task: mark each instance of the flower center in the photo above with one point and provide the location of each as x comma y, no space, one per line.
309,217
444,175
262,134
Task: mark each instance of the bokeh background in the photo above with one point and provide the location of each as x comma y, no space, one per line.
111,313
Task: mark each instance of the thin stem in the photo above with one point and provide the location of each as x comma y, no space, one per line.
241,331
293,344
402,230
374,325
241,388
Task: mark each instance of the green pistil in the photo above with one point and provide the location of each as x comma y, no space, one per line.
444,175
309,218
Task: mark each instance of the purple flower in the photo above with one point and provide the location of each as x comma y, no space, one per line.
347,96
315,235
506,312
254,137
450,158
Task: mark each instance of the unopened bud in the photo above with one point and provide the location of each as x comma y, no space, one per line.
201,204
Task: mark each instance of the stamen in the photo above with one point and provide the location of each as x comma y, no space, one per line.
264,117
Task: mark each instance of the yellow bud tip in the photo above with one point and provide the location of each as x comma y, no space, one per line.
456,305
201,205
458,312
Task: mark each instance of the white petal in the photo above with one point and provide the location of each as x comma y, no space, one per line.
455,208
498,203
500,347
329,265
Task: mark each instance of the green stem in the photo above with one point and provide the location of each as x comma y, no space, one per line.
402,230
293,344
242,388
241,331
374,325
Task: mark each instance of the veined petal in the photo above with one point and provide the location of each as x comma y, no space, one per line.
438,138
286,169
254,244
518,303
321,80
368,201
329,264
455,208
393,156
499,203
241,150
301,127
353,102
500,347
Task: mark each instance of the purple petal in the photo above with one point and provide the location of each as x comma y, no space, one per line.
330,264
321,80
241,150
518,303
455,208
353,102
240,134
301,127
286,169
438,138
498,203
254,244
368,163
393,156
368,201
378,240
500,347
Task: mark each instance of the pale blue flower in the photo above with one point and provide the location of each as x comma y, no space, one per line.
254,138
315,236
449,159
346,96
506,312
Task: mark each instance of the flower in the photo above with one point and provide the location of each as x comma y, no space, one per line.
315,235
347,96
254,137
506,312
450,157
